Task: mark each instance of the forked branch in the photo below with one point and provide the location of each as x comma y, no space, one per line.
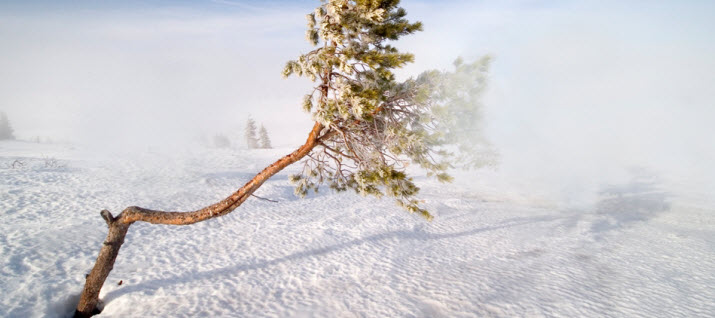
119,225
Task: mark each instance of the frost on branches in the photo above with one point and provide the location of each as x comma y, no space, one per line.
374,125
368,128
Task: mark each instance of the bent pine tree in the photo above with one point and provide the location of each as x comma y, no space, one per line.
368,126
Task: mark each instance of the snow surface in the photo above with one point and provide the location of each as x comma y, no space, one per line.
644,248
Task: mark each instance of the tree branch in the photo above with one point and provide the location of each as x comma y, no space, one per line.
107,216
133,214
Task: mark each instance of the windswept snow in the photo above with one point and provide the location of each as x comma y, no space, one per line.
644,248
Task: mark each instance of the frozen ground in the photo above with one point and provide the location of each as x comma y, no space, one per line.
644,248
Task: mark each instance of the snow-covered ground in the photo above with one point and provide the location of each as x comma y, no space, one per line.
644,248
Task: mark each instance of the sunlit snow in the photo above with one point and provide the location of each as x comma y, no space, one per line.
642,248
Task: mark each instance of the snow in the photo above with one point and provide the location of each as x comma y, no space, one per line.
643,248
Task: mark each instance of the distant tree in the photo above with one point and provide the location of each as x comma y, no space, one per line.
368,126
6,131
251,139
221,141
265,141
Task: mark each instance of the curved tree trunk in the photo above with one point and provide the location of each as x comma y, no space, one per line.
118,226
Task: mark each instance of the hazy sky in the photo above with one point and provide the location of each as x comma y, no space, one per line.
573,84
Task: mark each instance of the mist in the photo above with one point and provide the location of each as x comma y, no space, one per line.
142,77
586,96
580,94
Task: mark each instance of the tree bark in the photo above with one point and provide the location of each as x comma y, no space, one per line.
89,299
118,226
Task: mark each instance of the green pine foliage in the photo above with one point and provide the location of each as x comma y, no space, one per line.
456,105
374,125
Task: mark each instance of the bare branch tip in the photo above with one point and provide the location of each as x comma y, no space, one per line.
107,216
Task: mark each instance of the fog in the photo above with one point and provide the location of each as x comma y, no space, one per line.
587,95
580,93
138,76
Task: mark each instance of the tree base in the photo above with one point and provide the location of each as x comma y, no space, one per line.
78,314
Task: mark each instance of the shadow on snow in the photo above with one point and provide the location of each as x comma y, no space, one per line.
418,235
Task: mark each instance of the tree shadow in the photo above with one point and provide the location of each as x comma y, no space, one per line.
621,206
277,188
237,175
415,235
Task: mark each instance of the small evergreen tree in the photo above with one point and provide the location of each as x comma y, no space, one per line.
221,141
265,141
251,140
6,131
